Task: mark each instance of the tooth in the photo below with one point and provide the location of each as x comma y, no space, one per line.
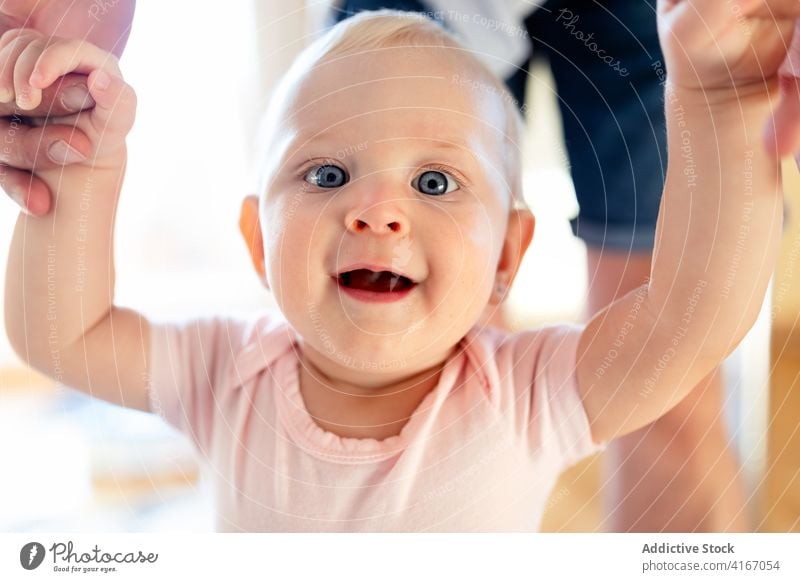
393,283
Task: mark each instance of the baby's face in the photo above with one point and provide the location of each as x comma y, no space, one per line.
384,165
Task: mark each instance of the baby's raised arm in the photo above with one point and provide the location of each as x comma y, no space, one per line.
60,279
719,224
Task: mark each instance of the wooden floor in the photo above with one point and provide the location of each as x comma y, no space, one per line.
781,495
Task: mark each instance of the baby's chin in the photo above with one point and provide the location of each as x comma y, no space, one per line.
379,371
359,350
379,347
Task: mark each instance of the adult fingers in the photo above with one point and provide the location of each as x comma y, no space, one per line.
718,14
36,148
68,95
782,131
770,8
29,192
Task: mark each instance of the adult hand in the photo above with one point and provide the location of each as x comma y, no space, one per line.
782,135
761,30
24,136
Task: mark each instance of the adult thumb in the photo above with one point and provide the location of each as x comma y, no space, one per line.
782,130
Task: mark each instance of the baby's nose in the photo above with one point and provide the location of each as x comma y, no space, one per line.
382,218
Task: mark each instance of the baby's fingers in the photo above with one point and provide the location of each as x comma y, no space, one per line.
115,104
12,43
70,56
28,97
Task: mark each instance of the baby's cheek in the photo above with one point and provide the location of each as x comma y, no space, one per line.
484,248
465,272
482,244
286,243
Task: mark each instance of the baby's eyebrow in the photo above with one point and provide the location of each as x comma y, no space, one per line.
328,138
303,138
440,143
452,144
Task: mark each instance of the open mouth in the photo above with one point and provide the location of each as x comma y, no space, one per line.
375,281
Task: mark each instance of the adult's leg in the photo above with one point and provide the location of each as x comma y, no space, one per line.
679,473
342,9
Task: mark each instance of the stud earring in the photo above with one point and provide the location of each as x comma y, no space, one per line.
500,289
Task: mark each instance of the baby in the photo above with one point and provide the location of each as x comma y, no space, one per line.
389,217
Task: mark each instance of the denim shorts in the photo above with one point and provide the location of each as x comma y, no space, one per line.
608,68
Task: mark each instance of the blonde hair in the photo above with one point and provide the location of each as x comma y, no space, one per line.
376,29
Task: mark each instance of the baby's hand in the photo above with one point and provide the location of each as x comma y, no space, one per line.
724,51
31,62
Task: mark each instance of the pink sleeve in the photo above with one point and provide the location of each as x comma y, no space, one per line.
189,372
559,421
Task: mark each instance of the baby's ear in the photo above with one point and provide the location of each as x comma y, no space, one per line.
519,233
250,227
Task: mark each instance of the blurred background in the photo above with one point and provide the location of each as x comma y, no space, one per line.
71,463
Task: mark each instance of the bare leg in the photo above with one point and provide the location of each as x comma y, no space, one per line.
679,473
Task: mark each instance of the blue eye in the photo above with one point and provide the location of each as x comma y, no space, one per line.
435,183
327,176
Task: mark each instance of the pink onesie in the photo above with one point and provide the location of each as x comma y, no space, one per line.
480,453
